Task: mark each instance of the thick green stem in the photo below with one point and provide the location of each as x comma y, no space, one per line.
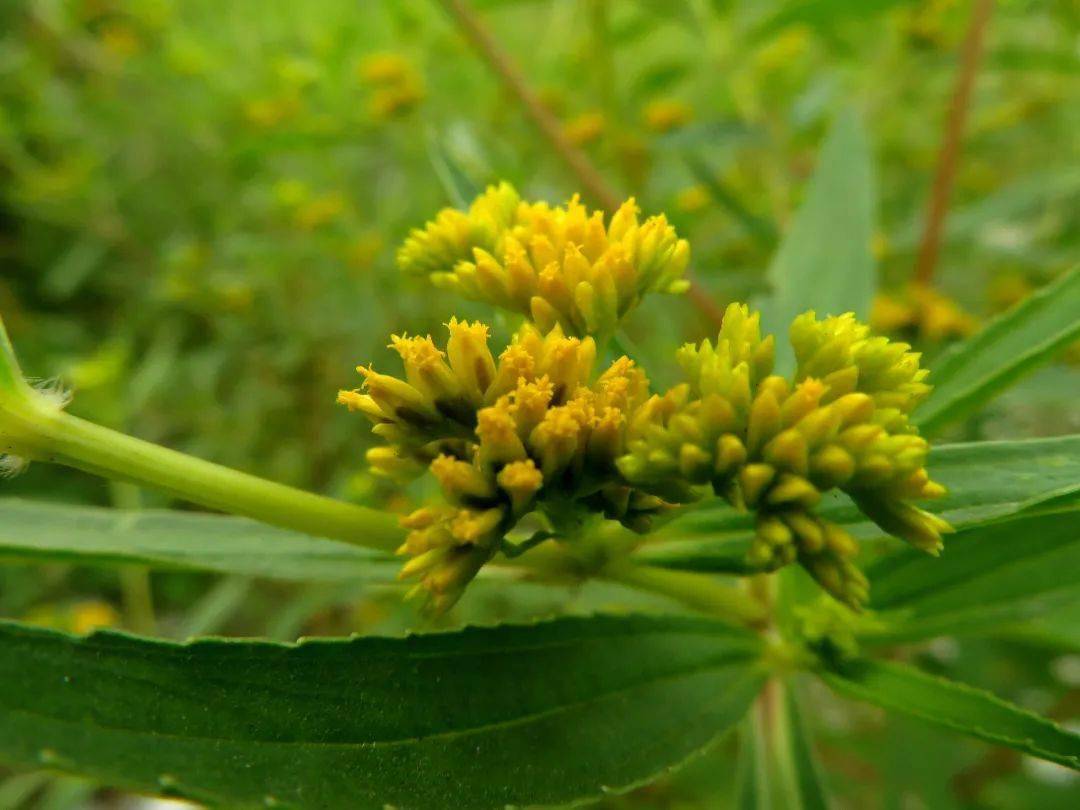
695,590
31,426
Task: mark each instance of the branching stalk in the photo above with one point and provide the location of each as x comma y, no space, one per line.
951,141
37,428
701,592
592,182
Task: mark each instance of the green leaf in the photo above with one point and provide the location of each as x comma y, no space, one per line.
819,14
1000,572
459,187
482,718
985,481
806,788
164,539
777,769
974,371
10,375
1058,630
954,706
824,261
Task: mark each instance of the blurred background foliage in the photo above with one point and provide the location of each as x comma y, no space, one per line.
200,203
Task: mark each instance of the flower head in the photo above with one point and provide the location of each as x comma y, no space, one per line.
561,265
502,438
774,446
534,429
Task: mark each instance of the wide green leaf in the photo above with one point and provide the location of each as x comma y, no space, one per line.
164,539
482,718
985,480
997,573
824,261
954,706
971,373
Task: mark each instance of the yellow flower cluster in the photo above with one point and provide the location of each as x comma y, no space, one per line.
774,446
921,311
502,437
532,430
396,85
453,235
556,265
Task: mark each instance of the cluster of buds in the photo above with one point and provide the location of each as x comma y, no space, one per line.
504,437
775,446
453,235
533,431
559,265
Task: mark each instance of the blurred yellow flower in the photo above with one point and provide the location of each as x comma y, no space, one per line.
665,114
384,67
364,250
88,616
319,211
692,199
932,315
120,39
81,617
396,85
1008,289
585,128
271,111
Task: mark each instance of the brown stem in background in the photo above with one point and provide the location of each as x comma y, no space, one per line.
590,179
952,137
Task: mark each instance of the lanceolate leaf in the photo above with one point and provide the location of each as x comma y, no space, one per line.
483,718
824,260
955,706
777,769
10,376
184,540
973,372
986,480
988,575
806,788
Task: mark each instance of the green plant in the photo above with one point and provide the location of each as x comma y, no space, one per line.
585,486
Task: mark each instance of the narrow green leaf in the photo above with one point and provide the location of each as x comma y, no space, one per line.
459,188
777,769
985,481
164,539
806,788
1008,571
824,261
10,375
955,706
482,718
971,373
1057,630
751,781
